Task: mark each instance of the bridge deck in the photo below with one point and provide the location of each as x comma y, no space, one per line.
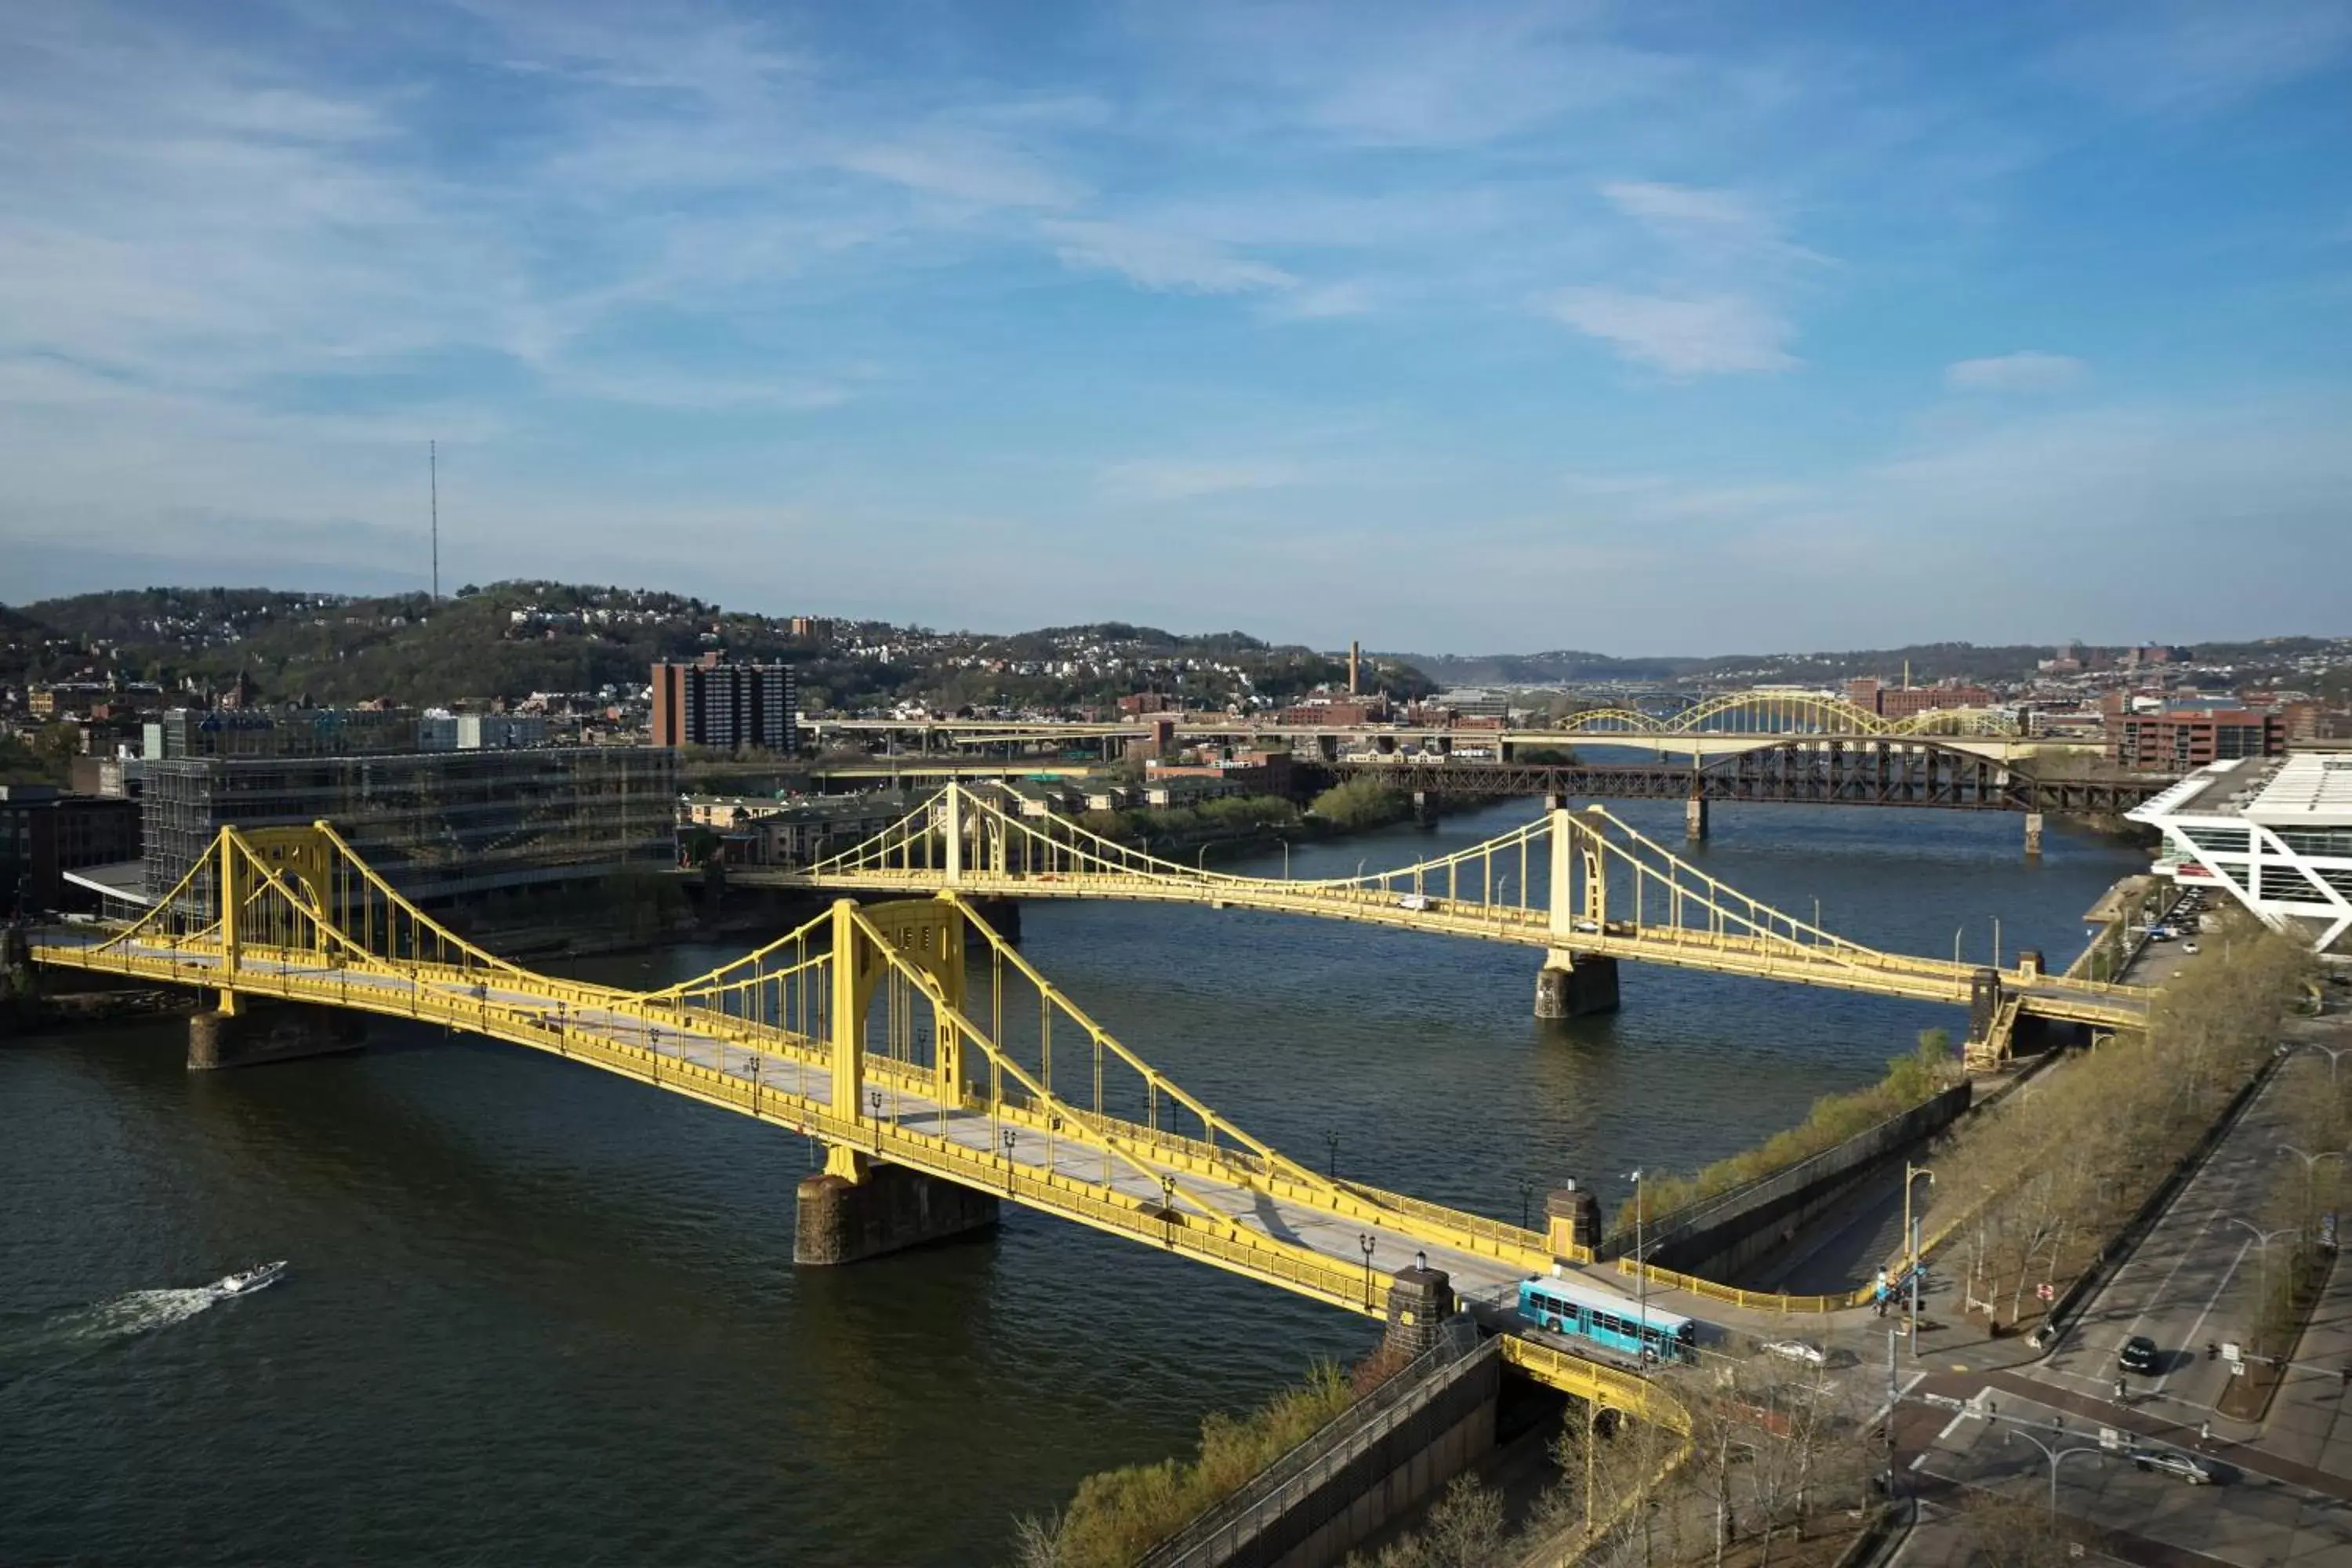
1836,967
724,1060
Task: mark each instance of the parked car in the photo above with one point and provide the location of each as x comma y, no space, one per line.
2169,1462
1797,1350
2139,1355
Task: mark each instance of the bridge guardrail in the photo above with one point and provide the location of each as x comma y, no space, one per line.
1756,1300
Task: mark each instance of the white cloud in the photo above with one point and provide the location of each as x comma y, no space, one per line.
1157,479
1161,259
2029,371
1682,208
2194,57
1325,301
1714,334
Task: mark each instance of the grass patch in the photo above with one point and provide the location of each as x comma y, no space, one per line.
1911,1080
1116,1516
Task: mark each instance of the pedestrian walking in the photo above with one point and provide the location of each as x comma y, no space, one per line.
2204,1433
2119,1391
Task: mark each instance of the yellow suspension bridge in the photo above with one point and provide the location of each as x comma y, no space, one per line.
906,1034
1583,886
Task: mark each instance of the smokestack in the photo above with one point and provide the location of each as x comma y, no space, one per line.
1355,667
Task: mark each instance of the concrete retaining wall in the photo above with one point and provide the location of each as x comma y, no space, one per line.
1725,1233
1321,1505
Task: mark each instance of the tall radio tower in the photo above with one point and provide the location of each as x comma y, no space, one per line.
433,463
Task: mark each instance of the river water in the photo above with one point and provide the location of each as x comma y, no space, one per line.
537,1314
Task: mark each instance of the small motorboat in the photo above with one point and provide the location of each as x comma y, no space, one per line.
246,1281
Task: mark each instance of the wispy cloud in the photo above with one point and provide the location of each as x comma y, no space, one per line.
1711,335
2189,57
1157,480
2027,371
1178,263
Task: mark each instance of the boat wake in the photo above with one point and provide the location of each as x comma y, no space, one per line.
33,1342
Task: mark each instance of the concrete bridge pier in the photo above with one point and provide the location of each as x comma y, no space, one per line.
1419,1301
1422,816
860,1207
242,1031
1576,988
2033,833
1695,818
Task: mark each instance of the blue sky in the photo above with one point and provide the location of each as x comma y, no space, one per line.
1668,327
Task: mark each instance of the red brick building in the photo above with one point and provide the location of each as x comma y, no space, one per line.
2182,738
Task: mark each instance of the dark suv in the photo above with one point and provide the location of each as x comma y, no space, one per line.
2139,1355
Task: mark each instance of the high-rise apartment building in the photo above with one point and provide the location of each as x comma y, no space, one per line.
727,707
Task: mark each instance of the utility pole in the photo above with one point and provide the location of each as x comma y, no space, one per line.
433,462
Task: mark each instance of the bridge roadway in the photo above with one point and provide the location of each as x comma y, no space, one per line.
1871,772
1195,728
1837,966
785,1079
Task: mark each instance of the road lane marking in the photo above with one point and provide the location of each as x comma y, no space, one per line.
2190,1347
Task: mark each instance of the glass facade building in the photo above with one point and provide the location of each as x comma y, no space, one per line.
440,825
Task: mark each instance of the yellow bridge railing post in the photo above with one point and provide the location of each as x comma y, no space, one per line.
848,1018
228,894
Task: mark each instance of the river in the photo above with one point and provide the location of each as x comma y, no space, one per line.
537,1314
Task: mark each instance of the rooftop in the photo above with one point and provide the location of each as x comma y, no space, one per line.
2302,790
2307,790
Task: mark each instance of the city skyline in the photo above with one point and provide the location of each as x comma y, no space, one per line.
1532,328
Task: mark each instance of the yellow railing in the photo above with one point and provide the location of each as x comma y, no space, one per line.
1754,1300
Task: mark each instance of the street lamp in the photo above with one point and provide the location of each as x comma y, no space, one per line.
2310,1170
1995,942
2334,1055
1332,1139
1167,1208
1285,859
1367,1243
1526,1201
2263,1265
1641,1269
1911,1173
2055,1456
1201,861
1956,944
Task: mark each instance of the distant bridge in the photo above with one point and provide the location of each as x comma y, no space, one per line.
1923,774
1608,893
1721,726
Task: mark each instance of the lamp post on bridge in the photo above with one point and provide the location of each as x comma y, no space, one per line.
1368,1242
1641,1269
1331,1138
1167,1208
1995,942
1526,1201
1012,1136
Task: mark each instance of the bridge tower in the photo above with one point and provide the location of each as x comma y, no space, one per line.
859,1206
1573,985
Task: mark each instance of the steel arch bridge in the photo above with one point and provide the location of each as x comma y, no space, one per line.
1610,893
907,1032
1792,713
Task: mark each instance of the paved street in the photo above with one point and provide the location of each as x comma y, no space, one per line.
2248,1516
